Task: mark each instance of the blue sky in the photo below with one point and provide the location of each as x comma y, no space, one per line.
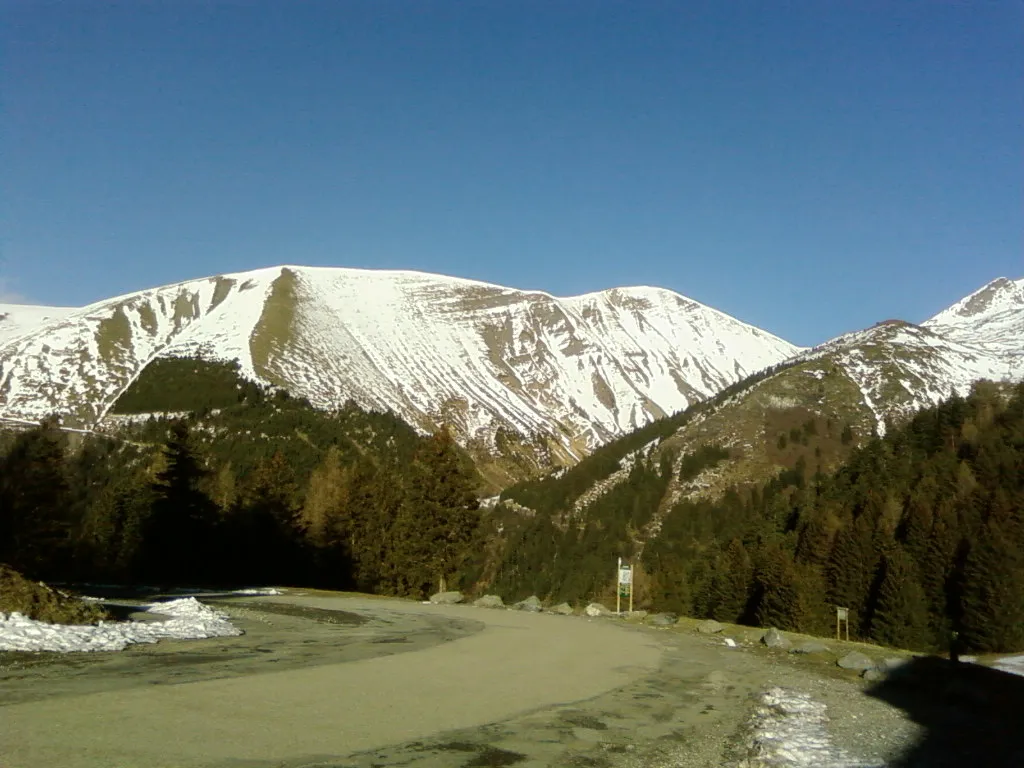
810,167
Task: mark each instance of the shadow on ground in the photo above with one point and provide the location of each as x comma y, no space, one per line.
972,715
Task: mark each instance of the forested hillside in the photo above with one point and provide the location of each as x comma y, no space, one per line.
920,534
244,485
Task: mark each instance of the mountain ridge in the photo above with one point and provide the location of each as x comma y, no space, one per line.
482,358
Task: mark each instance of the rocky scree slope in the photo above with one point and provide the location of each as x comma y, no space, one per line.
498,365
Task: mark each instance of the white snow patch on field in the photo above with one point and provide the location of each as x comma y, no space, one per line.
188,619
1012,664
789,730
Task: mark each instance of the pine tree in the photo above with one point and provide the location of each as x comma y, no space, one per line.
179,536
993,591
437,519
730,587
36,521
851,569
900,618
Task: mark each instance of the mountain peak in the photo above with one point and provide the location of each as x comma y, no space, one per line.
997,296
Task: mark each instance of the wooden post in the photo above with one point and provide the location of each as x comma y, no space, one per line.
618,588
632,575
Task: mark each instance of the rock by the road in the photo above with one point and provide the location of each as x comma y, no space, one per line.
775,639
563,609
874,675
596,609
857,661
811,646
446,598
893,663
489,601
710,627
530,604
663,619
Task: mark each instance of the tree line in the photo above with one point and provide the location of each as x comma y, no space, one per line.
920,535
265,490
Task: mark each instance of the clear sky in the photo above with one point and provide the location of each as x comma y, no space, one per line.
809,167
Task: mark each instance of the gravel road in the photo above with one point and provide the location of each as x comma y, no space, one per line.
256,715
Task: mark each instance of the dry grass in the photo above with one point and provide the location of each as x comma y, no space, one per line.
42,603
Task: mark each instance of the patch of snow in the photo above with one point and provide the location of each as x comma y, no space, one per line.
188,619
1012,664
789,729
257,591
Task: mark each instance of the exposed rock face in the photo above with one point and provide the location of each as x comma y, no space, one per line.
446,598
489,601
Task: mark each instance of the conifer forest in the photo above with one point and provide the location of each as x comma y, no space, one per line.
919,533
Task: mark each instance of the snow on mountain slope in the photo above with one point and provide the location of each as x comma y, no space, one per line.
901,368
991,318
19,319
429,348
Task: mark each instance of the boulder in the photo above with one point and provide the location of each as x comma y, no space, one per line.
446,598
710,627
775,639
663,619
893,663
530,604
489,601
811,646
874,675
563,609
637,615
596,609
856,660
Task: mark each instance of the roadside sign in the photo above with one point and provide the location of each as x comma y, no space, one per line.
625,574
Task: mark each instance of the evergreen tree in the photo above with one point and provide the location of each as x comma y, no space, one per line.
36,520
900,617
992,617
179,536
730,588
437,519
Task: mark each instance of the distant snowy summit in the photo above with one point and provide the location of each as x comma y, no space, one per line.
481,358
495,364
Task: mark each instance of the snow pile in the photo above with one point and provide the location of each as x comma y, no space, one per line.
188,619
1012,664
257,591
788,729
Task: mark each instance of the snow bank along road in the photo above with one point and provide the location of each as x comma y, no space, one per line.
518,662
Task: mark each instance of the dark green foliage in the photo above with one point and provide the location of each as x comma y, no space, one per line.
178,534
919,534
173,385
705,457
36,517
900,617
992,617
261,489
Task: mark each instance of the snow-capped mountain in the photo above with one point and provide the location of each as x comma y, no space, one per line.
991,318
857,382
485,359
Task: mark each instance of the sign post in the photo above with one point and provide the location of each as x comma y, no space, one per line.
842,615
624,586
